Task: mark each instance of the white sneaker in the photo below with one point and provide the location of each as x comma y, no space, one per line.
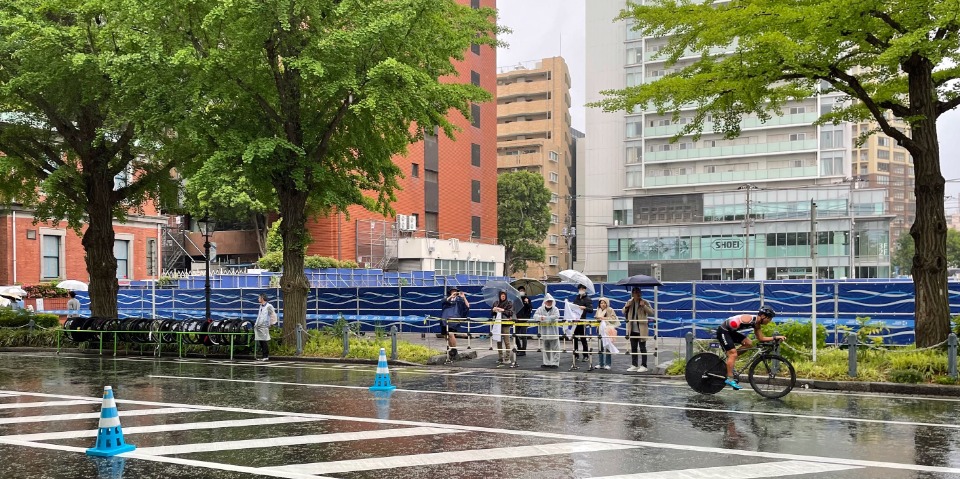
631,369
607,367
641,369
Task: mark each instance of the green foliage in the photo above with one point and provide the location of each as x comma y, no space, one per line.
889,60
349,264
903,251
45,290
15,318
321,262
956,324
274,241
164,281
945,380
22,338
927,363
331,346
523,217
905,376
799,336
272,261
677,368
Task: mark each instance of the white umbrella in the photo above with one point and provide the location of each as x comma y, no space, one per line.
73,285
12,291
4,302
576,277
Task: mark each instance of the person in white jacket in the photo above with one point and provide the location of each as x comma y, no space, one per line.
548,315
608,332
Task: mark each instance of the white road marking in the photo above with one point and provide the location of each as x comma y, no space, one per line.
548,435
189,426
448,457
749,471
94,415
581,401
23,405
294,440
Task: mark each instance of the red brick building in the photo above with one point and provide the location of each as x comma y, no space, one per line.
43,252
449,190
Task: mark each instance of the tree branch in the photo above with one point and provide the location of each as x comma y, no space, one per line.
888,20
324,145
142,183
842,78
945,106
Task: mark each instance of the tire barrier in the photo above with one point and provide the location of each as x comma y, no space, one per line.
216,332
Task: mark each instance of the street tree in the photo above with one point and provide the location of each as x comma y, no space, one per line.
85,105
523,218
311,99
889,59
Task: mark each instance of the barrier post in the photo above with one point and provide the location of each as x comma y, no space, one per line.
952,355
346,342
299,340
114,344
394,354
231,345
852,355
689,340
31,325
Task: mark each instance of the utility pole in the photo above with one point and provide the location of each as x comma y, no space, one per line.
747,222
813,283
852,274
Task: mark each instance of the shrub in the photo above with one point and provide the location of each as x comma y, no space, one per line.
13,338
905,376
928,363
349,264
799,336
945,380
320,262
15,318
45,290
677,368
271,261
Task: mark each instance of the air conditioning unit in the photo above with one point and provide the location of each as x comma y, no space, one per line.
412,223
402,222
454,244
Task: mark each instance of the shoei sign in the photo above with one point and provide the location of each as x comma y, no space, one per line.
726,244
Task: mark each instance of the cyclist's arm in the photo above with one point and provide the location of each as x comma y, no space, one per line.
758,331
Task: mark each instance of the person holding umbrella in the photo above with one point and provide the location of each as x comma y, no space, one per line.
548,315
502,310
586,311
636,312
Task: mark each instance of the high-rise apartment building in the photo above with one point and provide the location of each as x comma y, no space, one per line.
713,208
882,163
447,203
534,134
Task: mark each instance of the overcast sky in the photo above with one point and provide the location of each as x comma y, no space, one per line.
546,28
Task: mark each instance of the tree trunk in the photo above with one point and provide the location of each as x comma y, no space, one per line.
293,283
98,244
929,231
260,232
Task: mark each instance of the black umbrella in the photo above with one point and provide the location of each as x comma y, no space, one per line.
639,280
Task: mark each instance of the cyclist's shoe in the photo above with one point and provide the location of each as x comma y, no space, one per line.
733,384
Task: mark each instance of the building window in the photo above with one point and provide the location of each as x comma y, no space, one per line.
474,154
475,226
554,239
152,257
475,115
883,180
883,141
431,224
415,170
898,156
883,166
798,136
797,110
121,249
554,156
475,4
554,198
475,48
554,177
883,154
475,191
475,78
51,256
554,219
554,260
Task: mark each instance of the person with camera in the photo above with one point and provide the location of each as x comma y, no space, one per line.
455,306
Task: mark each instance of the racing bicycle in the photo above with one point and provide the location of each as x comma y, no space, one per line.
770,374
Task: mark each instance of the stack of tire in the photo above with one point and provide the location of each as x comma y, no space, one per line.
158,330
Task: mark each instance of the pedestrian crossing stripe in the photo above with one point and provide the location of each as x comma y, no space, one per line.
24,405
94,415
190,426
748,471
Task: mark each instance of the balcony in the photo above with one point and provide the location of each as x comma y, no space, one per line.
523,89
732,177
735,150
522,108
748,123
520,161
523,127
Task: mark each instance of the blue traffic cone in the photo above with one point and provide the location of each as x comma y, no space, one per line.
110,435
382,381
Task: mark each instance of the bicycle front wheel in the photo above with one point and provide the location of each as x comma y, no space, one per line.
772,376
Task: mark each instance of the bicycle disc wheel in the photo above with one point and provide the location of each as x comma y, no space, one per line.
697,369
772,376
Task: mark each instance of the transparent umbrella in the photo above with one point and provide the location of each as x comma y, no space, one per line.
576,277
492,289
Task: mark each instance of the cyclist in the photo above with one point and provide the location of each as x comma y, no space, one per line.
729,335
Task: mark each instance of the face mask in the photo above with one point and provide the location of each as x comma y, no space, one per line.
583,293
522,294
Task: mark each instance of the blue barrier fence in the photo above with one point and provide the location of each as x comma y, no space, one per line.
680,307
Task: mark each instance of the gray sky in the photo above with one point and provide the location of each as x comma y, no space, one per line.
546,28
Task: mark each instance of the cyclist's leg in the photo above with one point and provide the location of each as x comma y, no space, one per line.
745,343
727,343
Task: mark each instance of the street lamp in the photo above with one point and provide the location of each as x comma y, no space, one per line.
206,226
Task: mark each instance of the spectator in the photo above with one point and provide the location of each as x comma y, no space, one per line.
636,312
455,306
608,332
579,332
524,312
548,315
73,306
502,311
266,317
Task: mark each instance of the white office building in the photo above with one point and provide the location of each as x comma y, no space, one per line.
639,187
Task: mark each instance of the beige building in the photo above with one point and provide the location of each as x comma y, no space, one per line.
882,163
533,134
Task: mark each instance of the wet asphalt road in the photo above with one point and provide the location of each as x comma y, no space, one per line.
217,419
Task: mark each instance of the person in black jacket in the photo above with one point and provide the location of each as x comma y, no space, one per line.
524,311
579,332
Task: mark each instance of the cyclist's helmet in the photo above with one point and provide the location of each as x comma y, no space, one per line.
767,311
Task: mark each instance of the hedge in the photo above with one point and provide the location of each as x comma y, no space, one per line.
10,318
